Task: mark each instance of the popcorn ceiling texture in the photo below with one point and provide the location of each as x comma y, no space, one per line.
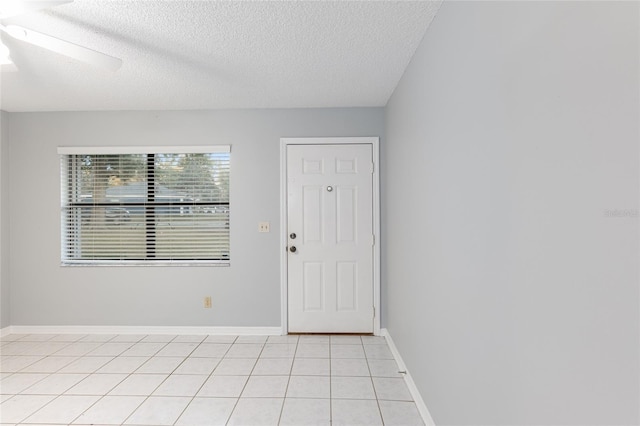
210,54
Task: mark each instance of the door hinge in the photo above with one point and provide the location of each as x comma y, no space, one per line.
374,311
373,240
373,167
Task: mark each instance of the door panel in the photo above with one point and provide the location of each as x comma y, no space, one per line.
346,215
347,285
329,208
313,287
313,214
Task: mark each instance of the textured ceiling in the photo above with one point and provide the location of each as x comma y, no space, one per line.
214,54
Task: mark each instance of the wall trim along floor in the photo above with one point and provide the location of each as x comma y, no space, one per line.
417,398
81,329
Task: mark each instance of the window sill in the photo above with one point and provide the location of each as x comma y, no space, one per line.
145,263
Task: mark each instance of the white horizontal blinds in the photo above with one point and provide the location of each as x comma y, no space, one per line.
100,221
196,227
161,206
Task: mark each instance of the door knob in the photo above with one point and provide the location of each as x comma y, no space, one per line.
293,249
293,235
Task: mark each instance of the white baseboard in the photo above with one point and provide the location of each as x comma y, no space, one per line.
417,398
5,331
91,329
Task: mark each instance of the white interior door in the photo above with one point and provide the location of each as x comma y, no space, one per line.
330,238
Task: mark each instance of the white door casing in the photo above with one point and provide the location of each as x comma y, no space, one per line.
330,278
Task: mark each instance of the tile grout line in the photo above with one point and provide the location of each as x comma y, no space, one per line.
373,384
146,397
286,389
197,390
101,397
166,378
214,370
330,384
205,380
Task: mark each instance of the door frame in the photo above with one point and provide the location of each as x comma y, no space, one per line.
375,145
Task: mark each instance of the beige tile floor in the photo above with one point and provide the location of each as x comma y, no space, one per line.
96,379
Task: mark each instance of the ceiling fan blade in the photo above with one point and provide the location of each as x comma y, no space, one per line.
83,54
10,8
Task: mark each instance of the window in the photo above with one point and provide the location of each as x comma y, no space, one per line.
145,206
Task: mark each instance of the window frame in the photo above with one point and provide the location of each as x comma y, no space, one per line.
150,207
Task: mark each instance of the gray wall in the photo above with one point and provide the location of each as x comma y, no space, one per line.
512,296
5,293
245,294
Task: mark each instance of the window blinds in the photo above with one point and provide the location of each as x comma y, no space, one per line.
163,206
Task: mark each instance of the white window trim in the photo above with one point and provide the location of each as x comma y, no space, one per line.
99,150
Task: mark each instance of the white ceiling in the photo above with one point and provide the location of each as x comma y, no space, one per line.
216,54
